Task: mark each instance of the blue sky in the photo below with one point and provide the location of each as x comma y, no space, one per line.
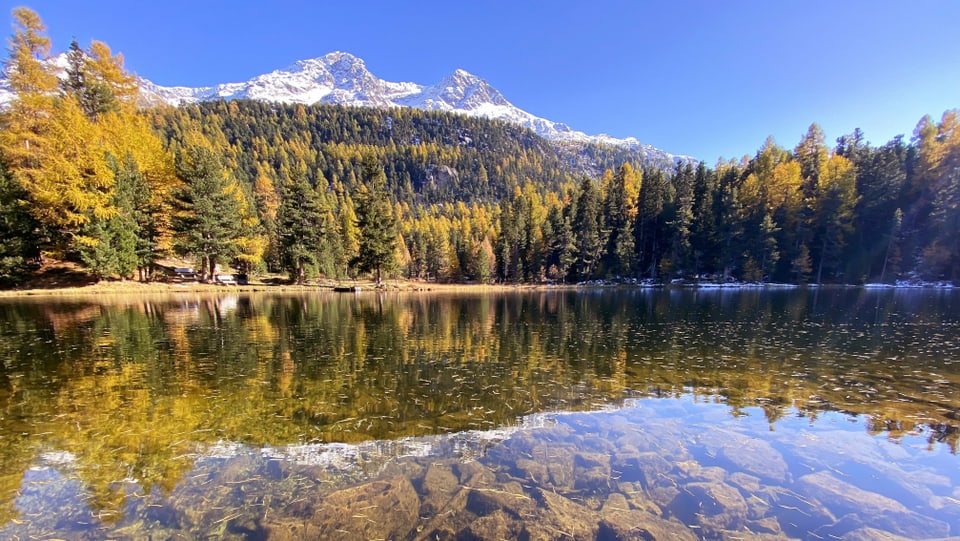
704,78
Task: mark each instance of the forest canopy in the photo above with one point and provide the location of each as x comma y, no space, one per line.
88,174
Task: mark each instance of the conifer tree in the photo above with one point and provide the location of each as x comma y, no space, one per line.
208,219
73,82
703,231
588,229
112,250
833,210
680,218
127,240
619,209
508,244
26,72
812,155
300,219
729,217
47,145
375,220
268,203
20,233
649,221
939,163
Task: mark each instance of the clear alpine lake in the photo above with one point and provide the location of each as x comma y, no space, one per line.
609,413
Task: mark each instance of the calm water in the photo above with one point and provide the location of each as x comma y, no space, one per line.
607,414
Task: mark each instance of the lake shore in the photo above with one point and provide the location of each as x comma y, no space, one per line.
133,287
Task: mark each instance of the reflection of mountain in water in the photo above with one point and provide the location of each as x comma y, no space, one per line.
132,388
371,456
683,468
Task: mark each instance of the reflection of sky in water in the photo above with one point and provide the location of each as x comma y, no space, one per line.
181,413
788,466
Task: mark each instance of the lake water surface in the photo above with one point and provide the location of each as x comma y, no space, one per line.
595,414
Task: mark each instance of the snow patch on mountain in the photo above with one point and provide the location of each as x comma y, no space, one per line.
343,79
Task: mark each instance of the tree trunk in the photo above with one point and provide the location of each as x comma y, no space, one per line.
823,255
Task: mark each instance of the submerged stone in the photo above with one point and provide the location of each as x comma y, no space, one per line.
872,534
863,508
475,474
751,455
531,470
591,472
509,497
630,525
615,502
715,506
493,527
560,518
438,487
646,467
385,509
744,481
768,525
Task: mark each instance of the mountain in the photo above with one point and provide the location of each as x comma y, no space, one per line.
343,79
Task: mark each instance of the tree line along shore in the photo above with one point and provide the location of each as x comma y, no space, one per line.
92,176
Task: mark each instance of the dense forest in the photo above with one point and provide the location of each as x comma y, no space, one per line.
326,191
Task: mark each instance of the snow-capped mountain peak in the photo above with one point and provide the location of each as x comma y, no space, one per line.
342,78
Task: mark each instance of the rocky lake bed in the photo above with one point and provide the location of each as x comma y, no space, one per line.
653,469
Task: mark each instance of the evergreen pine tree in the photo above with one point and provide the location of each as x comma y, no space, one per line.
208,218
587,230
649,221
20,233
375,220
703,231
300,223
618,208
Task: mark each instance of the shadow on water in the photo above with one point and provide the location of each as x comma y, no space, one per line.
695,413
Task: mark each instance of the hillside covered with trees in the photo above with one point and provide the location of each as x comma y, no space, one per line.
90,176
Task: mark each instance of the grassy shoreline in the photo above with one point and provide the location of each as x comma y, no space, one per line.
132,287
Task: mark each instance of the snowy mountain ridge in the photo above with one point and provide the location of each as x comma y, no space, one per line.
343,79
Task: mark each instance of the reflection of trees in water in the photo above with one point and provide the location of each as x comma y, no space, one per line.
130,388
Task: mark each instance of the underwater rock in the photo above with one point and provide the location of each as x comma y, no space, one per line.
474,474
558,517
636,497
664,496
238,469
716,506
509,497
630,525
752,455
840,495
872,534
445,522
648,467
695,471
438,487
384,509
791,509
591,472
744,481
615,502
767,525
530,470
864,508
493,527
560,471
